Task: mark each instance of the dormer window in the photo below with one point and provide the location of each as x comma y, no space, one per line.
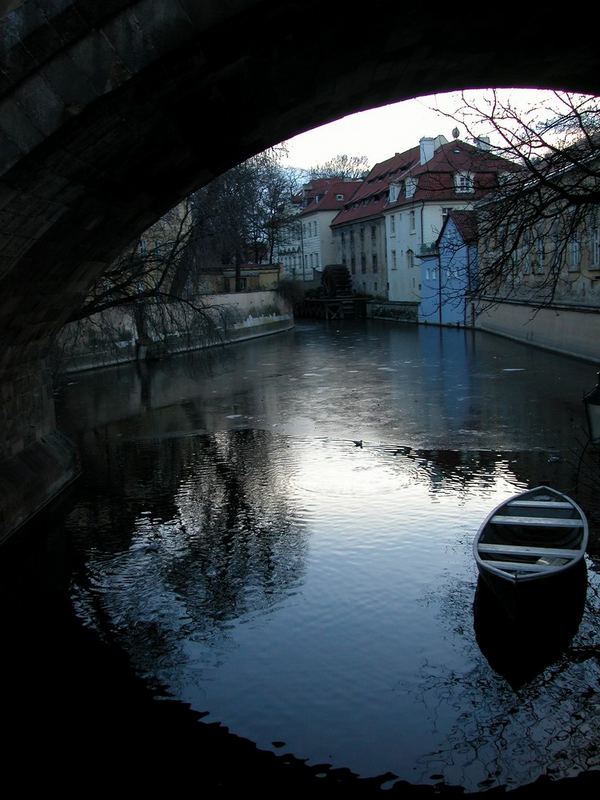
394,189
339,197
464,182
411,187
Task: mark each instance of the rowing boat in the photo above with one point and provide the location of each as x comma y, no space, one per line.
531,540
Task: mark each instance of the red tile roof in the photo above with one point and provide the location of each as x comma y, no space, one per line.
328,190
466,224
435,179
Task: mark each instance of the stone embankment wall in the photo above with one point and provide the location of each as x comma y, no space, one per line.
114,337
574,331
395,311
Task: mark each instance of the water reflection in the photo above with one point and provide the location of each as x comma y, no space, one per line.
408,386
254,579
226,546
245,553
515,713
520,649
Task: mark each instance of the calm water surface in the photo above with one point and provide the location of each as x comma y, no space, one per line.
280,533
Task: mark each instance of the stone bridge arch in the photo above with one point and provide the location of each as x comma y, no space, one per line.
111,112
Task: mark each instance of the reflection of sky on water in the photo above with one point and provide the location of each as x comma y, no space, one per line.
251,557
321,594
403,385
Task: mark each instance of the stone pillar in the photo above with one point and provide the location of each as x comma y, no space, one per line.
36,462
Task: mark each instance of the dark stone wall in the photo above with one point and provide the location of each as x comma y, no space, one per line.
111,112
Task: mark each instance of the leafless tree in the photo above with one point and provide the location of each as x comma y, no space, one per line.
158,282
341,166
541,223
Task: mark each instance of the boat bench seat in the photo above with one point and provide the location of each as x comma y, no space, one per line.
538,504
521,566
523,550
547,522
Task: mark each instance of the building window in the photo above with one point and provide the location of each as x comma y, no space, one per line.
375,286
412,221
540,256
339,197
573,254
373,233
353,264
410,259
411,187
464,182
362,234
374,261
394,262
363,263
595,247
524,253
393,225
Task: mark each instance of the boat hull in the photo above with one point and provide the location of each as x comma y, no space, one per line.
530,547
520,646
528,598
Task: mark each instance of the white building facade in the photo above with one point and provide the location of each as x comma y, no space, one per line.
309,242
449,176
403,203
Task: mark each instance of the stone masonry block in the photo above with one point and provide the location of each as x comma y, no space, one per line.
43,42
7,194
69,81
16,26
17,126
166,26
95,13
9,153
204,15
125,36
103,67
15,64
42,105
53,8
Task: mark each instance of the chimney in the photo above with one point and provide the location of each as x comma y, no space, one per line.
427,148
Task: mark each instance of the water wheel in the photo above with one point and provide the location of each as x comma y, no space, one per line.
336,281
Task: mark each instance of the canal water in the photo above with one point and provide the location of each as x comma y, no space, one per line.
280,534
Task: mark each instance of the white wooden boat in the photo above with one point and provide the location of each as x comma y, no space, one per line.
529,538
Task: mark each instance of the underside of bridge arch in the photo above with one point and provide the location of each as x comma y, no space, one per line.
111,112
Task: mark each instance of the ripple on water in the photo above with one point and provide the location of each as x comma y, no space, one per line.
318,593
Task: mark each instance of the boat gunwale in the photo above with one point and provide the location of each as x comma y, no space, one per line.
526,577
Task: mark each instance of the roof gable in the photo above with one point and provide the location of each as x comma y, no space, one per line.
328,194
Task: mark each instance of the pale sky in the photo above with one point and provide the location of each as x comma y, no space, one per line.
380,133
